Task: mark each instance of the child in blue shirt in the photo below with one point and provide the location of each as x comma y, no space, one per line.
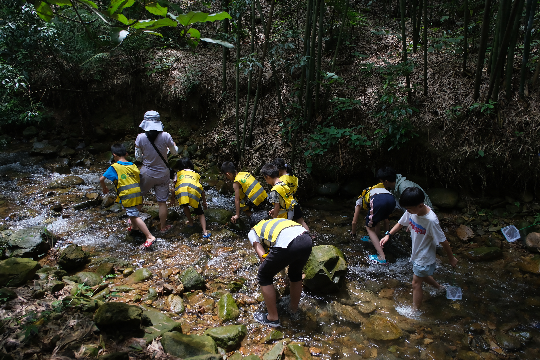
125,176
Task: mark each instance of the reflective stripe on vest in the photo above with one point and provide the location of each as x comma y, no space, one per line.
285,192
291,181
269,230
127,185
188,189
251,188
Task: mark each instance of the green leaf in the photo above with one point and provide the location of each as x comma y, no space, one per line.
191,17
60,2
218,16
118,5
152,33
220,42
194,33
143,24
156,9
121,18
161,23
44,11
89,3
481,152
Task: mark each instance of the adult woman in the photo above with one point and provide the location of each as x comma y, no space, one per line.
155,173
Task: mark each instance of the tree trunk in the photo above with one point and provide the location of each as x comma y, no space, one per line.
319,56
511,47
311,72
225,5
414,6
238,140
252,50
404,57
342,25
529,20
482,51
465,38
425,47
495,46
278,87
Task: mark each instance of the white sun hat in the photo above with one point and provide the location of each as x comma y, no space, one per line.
151,121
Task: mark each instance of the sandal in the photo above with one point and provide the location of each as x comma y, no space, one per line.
148,243
207,236
167,228
129,225
365,238
375,260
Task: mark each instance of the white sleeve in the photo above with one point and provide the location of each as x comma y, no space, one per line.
253,237
404,221
436,232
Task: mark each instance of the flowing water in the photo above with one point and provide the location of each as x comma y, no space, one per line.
500,303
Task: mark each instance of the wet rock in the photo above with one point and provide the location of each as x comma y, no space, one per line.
468,355
54,286
464,232
484,254
116,314
66,182
228,337
81,303
191,279
89,278
44,148
87,204
443,198
30,132
31,242
251,357
150,295
219,216
161,324
508,342
176,304
97,148
380,328
272,337
347,313
127,272
108,200
227,308
186,346
532,242
7,294
139,275
57,208
116,208
475,328
325,270
115,356
353,188
17,271
328,189
104,269
122,288
275,353
530,265
66,152
299,352
60,166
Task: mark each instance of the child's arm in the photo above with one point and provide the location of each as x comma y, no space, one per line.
259,249
275,211
394,230
355,220
236,187
103,186
448,250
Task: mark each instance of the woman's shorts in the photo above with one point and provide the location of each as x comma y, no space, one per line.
423,270
132,211
380,208
160,186
295,256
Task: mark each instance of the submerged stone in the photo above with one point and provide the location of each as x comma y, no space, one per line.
484,254
272,336
186,346
227,308
228,337
66,182
17,271
220,216
325,270
73,257
508,342
380,328
191,279
299,352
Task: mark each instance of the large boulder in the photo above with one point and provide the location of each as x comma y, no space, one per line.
219,216
380,328
325,269
484,253
31,242
161,324
186,346
228,337
227,308
66,182
73,257
44,148
17,271
191,279
113,315
443,198
532,242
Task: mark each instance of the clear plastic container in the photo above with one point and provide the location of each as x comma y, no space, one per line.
453,292
511,233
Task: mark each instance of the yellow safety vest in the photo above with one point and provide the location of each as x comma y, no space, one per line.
287,196
291,181
268,230
251,188
366,195
188,189
127,185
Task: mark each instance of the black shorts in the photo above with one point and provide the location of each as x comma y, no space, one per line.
298,213
379,209
295,256
198,210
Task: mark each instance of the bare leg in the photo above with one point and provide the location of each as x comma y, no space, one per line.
202,219
188,215
303,223
269,294
162,214
137,221
296,293
418,294
372,232
431,281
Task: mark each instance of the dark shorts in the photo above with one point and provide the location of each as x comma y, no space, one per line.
198,210
298,213
380,208
295,256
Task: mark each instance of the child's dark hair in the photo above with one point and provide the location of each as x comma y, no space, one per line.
411,196
282,165
228,167
185,163
118,149
387,173
270,170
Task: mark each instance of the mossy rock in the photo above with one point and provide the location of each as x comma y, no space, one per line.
115,314
139,275
227,308
161,324
380,328
186,346
325,269
228,337
73,257
89,278
192,280
484,253
299,352
275,353
17,271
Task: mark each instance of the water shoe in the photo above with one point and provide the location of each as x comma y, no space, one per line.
263,319
365,238
375,260
207,236
147,244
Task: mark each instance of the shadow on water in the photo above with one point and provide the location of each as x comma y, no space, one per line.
496,296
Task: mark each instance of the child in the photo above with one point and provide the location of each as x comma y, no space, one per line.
281,196
287,244
426,234
248,192
284,174
125,176
380,203
188,191
400,183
